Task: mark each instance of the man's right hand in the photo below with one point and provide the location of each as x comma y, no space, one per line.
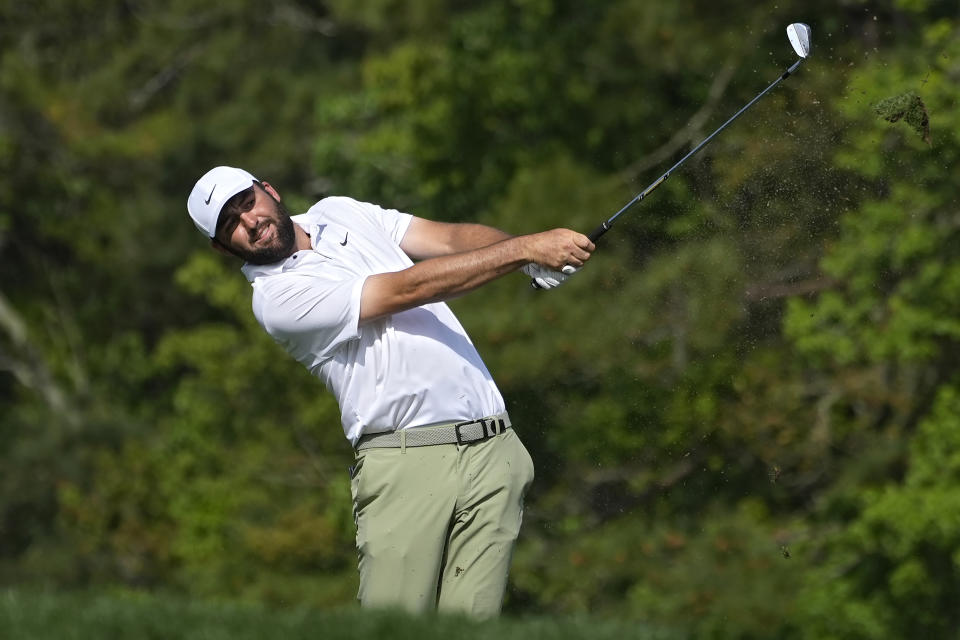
555,255
558,248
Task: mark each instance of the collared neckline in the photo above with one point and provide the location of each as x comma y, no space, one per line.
254,271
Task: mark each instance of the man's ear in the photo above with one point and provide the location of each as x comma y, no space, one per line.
269,189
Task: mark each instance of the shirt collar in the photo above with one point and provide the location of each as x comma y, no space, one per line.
254,271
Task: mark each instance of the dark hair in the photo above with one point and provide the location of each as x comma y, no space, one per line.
232,201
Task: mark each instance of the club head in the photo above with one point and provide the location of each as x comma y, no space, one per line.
799,34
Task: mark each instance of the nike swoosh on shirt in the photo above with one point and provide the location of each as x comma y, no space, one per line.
207,201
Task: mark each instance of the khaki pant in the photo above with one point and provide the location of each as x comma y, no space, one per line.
436,525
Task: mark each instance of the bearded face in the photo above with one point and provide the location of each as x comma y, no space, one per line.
256,227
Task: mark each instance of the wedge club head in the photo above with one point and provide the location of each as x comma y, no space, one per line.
799,34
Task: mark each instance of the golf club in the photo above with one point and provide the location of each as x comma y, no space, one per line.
799,35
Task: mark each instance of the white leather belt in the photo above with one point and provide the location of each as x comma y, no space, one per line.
459,433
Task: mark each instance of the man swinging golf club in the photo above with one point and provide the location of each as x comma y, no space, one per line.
440,473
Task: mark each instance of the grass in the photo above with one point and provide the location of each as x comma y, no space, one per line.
28,615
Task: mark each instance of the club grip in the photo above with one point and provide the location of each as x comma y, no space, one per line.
599,231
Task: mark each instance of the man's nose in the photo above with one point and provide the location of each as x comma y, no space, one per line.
248,219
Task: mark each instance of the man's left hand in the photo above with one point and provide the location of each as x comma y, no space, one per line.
548,278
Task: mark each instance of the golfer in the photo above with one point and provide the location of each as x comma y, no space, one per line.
355,293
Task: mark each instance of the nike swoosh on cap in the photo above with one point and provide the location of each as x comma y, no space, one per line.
207,201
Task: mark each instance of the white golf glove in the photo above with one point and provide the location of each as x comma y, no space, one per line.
548,278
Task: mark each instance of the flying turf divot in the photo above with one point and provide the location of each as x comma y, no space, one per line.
909,108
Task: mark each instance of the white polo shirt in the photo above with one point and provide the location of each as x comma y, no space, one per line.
409,369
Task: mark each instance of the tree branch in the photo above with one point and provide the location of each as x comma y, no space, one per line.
27,364
775,290
689,132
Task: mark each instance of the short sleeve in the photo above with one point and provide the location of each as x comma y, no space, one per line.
309,315
394,222
346,211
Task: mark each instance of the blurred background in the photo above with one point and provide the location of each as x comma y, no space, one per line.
744,412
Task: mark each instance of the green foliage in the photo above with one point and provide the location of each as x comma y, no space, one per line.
889,566
758,361
894,569
737,571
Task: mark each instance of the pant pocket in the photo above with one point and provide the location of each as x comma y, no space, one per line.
526,463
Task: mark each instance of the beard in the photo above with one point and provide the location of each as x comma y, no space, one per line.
284,241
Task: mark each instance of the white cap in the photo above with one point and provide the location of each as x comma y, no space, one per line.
211,192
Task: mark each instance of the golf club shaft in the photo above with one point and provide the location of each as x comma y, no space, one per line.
605,226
